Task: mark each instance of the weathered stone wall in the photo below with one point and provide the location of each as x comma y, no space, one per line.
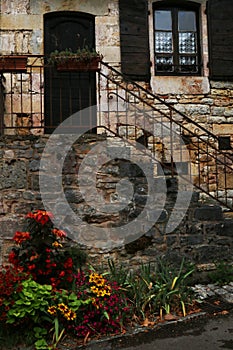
21,28
21,31
204,235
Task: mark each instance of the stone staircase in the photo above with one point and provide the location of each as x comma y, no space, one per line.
179,146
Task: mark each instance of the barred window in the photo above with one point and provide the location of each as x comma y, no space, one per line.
176,40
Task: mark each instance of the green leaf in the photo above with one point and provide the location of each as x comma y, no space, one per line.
106,315
56,323
10,321
41,344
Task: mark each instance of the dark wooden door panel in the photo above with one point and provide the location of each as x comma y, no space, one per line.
67,93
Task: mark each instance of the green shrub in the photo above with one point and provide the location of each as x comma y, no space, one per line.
223,273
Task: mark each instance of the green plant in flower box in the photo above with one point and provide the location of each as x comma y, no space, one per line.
80,60
81,55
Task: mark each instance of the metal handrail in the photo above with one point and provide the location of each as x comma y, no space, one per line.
206,138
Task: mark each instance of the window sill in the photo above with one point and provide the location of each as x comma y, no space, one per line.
191,85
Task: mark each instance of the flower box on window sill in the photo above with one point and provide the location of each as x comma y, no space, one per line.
78,66
85,59
13,63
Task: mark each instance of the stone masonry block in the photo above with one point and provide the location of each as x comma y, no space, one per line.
223,129
227,228
208,213
14,7
225,181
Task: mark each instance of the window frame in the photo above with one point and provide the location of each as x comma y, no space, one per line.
175,7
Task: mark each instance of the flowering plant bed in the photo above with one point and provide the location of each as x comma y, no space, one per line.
13,63
51,291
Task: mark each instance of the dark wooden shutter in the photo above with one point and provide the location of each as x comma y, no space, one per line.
134,36
220,27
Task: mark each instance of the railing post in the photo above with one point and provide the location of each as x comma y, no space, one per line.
2,104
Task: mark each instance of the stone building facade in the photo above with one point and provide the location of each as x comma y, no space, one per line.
196,82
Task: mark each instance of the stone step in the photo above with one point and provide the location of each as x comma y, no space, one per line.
228,214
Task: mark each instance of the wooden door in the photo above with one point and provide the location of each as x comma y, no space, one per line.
68,92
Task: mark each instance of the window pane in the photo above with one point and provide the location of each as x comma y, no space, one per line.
187,43
164,64
187,60
188,64
186,21
163,20
163,42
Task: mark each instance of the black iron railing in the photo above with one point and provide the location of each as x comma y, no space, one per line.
22,98
175,140
31,104
37,99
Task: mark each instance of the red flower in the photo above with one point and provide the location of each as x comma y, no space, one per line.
41,216
31,267
69,279
62,274
68,263
19,237
12,258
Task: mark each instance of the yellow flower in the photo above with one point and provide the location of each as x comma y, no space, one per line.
92,277
52,310
99,282
94,303
108,289
63,308
97,279
56,244
70,315
101,293
94,289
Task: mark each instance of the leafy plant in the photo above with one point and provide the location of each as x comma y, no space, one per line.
222,274
156,290
85,54
173,291
30,307
118,274
31,302
11,279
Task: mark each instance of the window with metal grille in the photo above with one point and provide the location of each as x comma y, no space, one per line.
176,39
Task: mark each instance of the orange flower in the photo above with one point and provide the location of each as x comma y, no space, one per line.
59,233
56,244
33,257
19,237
